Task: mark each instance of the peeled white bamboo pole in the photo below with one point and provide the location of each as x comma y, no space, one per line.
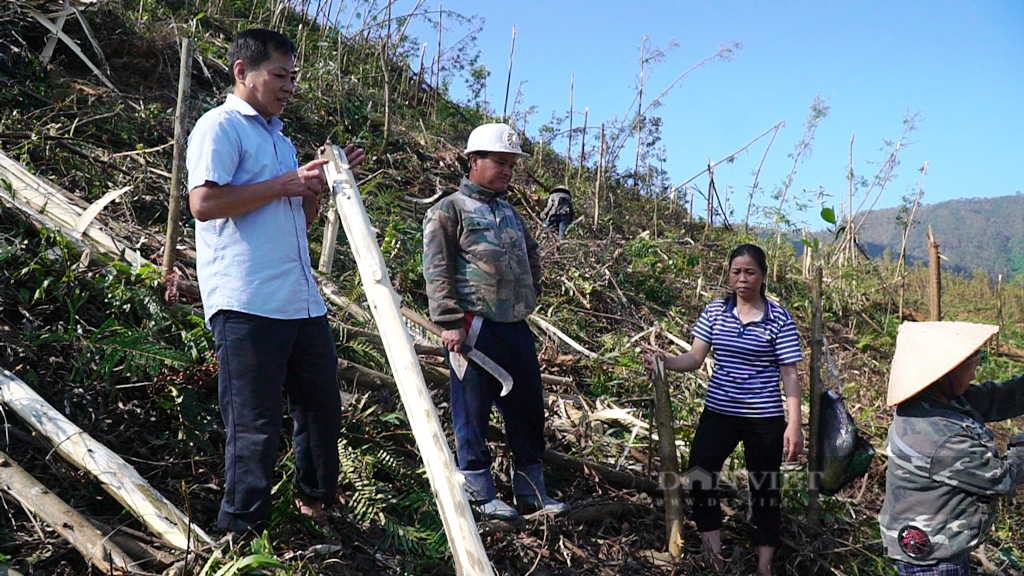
468,552
41,197
118,478
548,326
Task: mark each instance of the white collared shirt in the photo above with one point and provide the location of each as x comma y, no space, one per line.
257,262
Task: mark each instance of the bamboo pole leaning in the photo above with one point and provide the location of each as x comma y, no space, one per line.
115,475
468,553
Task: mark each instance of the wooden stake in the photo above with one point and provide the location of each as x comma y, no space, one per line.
468,552
817,387
999,308
180,126
600,178
670,478
935,279
583,144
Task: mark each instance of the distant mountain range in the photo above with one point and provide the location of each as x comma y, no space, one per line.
973,233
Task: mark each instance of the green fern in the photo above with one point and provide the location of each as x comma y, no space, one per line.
116,349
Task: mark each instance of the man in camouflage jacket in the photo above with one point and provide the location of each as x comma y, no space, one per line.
945,475
559,212
482,271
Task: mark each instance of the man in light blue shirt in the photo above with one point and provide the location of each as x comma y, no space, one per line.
253,203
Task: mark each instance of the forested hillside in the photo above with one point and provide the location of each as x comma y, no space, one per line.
974,234
123,353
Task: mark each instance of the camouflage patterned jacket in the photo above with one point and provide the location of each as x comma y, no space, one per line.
479,257
945,475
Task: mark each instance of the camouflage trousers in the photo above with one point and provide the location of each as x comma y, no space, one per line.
960,568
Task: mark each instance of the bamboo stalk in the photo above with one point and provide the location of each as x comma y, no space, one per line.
554,331
583,144
103,554
437,76
600,178
999,308
508,80
711,197
119,479
180,126
640,112
935,279
468,553
817,387
670,479
385,54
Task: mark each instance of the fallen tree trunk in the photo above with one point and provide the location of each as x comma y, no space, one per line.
115,475
610,475
468,553
107,557
604,511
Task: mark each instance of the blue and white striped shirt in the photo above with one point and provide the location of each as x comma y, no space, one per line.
747,357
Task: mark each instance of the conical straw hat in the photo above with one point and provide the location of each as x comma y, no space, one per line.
927,351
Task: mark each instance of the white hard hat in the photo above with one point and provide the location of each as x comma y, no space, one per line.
495,137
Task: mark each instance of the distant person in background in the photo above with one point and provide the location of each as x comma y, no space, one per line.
482,272
253,203
945,476
756,345
559,212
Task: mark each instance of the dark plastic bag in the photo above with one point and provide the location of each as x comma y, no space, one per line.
842,453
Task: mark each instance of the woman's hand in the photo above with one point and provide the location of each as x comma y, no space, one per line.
649,362
793,441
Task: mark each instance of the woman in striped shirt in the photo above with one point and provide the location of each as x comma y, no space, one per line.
756,345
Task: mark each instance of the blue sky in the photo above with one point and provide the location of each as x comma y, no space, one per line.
959,64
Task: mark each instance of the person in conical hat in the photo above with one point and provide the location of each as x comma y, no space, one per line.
945,474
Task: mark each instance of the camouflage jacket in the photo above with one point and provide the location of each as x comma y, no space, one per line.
479,257
559,204
945,475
